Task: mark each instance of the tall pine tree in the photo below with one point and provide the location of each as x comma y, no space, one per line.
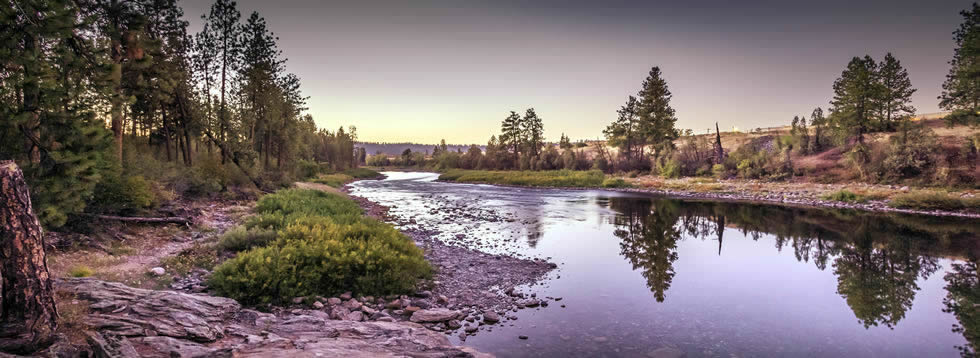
961,91
895,98
657,118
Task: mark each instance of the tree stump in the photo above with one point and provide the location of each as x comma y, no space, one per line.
28,317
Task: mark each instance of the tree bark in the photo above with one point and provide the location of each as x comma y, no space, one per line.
28,317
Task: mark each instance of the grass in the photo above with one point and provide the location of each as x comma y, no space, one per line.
361,173
554,178
844,195
81,271
337,180
616,183
933,200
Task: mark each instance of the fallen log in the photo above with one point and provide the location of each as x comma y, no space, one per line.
140,219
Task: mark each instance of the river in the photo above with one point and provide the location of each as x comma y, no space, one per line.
645,276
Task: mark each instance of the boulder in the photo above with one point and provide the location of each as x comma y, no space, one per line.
434,315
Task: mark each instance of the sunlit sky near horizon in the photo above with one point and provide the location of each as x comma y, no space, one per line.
422,71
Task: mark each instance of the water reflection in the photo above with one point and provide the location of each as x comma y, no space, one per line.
876,258
962,299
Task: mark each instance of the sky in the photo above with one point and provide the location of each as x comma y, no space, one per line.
421,71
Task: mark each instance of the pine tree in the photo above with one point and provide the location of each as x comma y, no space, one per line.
855,93
511,134
533,131
51,83
818,122
222,23
961,91
623,133
656,126
261,65
564,142
895,100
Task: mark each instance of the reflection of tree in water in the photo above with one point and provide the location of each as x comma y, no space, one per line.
649,240
962,300
877,259
879,283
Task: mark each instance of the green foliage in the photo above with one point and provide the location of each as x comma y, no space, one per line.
845,196
932,200
671,169
556,178
118,193
81,271
960,91
296,203
912,152
241,238
333,180
316,255
615,183
719,171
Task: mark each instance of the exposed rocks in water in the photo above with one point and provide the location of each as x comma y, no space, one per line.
132,322
467,280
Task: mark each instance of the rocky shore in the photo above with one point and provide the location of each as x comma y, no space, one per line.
471,290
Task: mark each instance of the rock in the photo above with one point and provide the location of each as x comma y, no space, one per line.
442,299
352,304
355,316
333,301
453,324
346,296
434,315
368,311
297,300
317,305
132,322
522,337
491,316
412,309
471,329
157,271
394,305
424,294
339,312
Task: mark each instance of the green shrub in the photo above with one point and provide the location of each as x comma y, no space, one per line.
265,221
719,171
307,169
845,196
118,193
367,257
296,203
333,180
615,183
931,200
671,169
81,271
240,238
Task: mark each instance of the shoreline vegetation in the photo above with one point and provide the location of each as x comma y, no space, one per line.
859,196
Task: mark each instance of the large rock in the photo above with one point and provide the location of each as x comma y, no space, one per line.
434,315
128,320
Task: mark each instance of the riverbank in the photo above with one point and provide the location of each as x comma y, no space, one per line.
867,197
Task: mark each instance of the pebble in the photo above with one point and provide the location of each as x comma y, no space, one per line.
157,271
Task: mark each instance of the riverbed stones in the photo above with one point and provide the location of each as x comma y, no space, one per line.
434,315
333,301
158,271
352,304
490,317
346,296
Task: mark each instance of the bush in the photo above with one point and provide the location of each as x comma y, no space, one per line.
292,204
671,169
118,193
719,171
81,271
931,200
615,183
367,257
241,238
333,180
844,195
912,151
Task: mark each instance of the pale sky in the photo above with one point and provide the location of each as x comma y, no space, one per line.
422,71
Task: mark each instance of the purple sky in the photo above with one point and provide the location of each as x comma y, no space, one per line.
426,70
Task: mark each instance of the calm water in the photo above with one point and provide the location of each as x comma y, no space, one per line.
639,273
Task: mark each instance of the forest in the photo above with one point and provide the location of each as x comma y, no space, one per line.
111,106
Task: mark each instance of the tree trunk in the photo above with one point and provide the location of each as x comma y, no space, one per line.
28,317
719,151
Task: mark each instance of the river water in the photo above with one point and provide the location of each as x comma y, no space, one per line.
645,276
